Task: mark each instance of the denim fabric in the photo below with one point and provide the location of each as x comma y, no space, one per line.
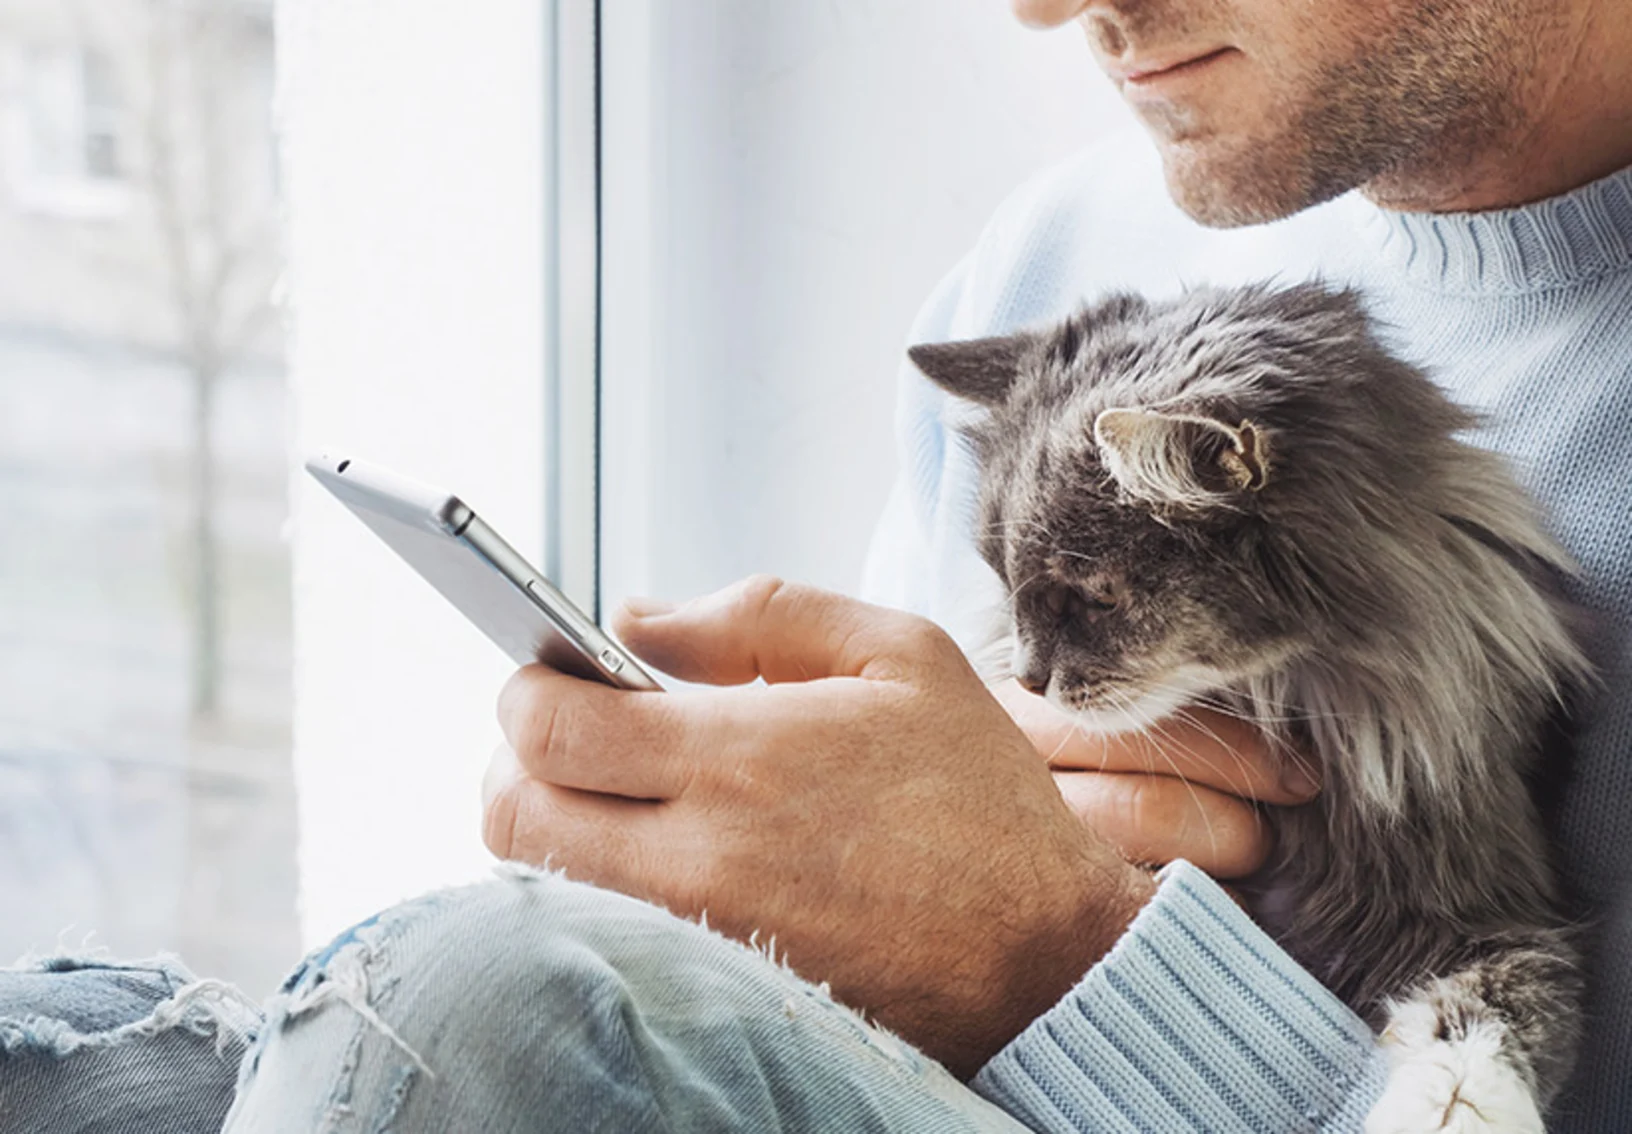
99,1047
537,1004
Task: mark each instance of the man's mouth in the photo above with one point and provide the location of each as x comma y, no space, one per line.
1151,70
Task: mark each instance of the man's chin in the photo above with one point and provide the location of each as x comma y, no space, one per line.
1231,186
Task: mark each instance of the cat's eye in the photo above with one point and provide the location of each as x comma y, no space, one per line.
1100,596
1102,592
1064,602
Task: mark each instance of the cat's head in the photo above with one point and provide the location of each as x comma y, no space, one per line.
1182,495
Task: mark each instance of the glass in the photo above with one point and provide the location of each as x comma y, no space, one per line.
146,797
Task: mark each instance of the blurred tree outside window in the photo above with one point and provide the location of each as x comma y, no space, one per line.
145,792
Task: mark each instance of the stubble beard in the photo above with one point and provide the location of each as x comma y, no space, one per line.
1400,119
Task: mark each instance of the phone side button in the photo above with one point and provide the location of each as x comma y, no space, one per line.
611,661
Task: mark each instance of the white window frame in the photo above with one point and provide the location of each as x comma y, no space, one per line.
572,397
635,216
442,250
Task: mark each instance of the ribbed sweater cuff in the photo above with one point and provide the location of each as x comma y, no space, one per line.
1195,1020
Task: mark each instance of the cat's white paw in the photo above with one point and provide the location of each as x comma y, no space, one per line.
1459,1085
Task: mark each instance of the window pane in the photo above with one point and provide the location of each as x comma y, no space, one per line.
52,112
783,185
416,201
102,116
145,790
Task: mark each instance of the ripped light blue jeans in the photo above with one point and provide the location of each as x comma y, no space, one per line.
529,1003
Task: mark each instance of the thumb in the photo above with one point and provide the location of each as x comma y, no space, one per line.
764,627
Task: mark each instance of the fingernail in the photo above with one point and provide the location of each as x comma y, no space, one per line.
647,607
1298,778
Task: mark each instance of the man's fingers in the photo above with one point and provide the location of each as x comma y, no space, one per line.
764,627
585,735
1156,819
594,838
1200,745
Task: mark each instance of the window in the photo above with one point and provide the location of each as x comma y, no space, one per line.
146,794
634,283
778,187
69,132
420,185
783,184
100,117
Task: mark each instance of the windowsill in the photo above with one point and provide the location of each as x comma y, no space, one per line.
70,198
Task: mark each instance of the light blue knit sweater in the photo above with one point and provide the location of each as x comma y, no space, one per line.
1196,1020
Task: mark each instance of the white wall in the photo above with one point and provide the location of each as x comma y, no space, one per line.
413,144
784,183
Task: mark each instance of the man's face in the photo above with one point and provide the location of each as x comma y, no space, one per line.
1261,108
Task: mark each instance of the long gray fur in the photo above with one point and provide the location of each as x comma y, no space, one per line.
1291,526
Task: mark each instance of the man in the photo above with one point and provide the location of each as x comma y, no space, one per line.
880,822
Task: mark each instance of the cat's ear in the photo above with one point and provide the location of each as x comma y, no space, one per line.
981,370
1186,459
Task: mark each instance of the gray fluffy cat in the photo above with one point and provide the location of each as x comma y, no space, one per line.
1240,499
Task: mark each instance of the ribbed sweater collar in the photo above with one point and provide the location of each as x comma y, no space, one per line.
1556,243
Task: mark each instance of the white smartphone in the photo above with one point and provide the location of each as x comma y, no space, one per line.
482,575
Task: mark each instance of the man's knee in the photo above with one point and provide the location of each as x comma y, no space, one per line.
508,955
527,934
510,996
535,996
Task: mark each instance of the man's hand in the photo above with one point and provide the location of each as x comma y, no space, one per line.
872,807
1185,789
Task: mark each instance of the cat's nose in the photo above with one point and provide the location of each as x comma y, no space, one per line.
1031,667
1034,683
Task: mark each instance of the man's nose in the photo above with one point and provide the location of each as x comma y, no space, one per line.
1047,13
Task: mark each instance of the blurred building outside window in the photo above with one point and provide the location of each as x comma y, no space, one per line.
145,792
67,131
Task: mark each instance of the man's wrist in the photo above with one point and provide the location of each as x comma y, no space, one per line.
1061,951
1101,918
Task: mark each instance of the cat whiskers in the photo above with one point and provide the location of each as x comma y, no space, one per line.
1234,709
1022,585
1003,526
1282,746
1158,739
1076,728
1184,716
